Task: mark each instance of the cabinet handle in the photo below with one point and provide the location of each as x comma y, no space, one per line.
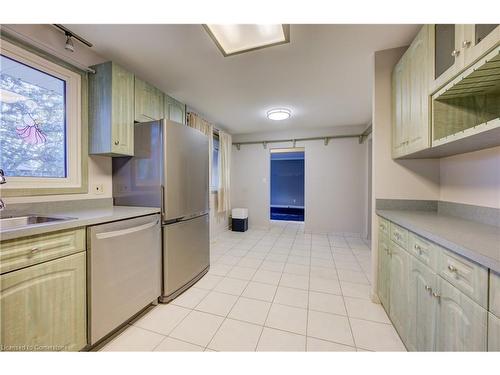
466,44
452,268
34,250
428,288
434,294
455,53
117,143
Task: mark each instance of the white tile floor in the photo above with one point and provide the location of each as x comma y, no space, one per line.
278,289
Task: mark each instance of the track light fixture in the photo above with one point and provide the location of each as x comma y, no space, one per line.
69,46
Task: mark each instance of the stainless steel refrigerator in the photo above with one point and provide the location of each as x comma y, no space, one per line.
169,170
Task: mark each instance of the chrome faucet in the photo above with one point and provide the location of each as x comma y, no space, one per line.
3,180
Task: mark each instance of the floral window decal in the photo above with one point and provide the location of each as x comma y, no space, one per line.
32,121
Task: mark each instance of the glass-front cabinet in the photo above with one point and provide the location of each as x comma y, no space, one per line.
448,57
458,46
478,40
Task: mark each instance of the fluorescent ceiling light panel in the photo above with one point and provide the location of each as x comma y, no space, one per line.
234,39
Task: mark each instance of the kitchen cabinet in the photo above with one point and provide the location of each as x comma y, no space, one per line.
27,251
410,82
422,307
448,57
398,289
478,40
494,305
43,307
111,110
461,323
493,333
148,102
400,111
383,270
174,110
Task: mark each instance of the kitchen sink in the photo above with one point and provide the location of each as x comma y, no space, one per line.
13,222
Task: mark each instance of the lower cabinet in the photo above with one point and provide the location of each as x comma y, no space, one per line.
493,333
428,312
383,270
422,307
398,289
461,323
43,307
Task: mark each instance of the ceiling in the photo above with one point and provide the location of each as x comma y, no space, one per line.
324,75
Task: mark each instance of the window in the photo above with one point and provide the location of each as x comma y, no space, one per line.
215,164
40,122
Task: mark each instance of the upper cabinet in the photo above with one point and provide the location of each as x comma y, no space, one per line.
111,114
117,99
478,40
148,102
445,92
410,83
174,110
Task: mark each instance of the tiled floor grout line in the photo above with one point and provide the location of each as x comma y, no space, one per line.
271,305
343,300
294,242
308,292
226,317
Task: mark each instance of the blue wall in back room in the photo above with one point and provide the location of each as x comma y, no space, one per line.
287,179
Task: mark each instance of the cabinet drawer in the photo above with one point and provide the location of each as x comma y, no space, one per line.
465,275
383,226
494,306
424,250
399,235
27,251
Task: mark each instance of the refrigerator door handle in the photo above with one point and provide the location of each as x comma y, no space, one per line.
162,202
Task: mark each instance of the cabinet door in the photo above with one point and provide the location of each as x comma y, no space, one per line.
461,323
447,53
493,333
175,110
422,307
419,78
122,116
399,105
494,304
383,270
398,290
148,102
43,307
478,40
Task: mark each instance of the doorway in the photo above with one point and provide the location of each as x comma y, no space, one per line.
287,184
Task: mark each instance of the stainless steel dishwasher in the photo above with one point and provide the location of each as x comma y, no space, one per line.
124,261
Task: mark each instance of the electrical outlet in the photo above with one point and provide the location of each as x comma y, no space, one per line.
98,189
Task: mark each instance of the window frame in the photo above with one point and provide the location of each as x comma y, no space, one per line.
214,187
76,180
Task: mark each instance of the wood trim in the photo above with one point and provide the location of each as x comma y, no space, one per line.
83,188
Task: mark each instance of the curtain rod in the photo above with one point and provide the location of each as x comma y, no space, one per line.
361,137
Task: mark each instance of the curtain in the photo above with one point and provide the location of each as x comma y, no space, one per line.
224,191
206,128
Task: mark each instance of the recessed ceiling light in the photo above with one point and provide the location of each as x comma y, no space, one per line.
279,114
234,39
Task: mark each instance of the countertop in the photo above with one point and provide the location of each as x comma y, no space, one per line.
80,218
476,241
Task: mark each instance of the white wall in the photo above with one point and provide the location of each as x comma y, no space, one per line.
48,37
406,179
472,178
335,179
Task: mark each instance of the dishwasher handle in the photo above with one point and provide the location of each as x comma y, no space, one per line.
122,232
